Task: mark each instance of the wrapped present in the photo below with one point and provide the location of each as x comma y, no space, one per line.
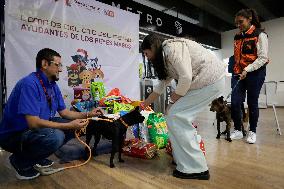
169,149
84,106
143,132
98,90
143,128
133,131
109,100
73,102
82,94
158,131
115,93
117,107
138,148
135,103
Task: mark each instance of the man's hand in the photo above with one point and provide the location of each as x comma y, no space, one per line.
95,112
78,123
243,75
175,97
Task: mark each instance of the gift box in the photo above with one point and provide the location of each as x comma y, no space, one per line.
140,149
82,94
143,128
169,149
157,128
133,131
98,90
84,106
143,132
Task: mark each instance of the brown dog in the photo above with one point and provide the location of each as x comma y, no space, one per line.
223,113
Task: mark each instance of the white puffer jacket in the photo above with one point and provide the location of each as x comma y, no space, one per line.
191,64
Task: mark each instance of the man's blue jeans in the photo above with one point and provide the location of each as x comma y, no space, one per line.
31,146
252,85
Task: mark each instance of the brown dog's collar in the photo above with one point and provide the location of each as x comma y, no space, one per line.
123,122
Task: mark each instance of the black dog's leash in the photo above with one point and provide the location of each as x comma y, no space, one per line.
233,89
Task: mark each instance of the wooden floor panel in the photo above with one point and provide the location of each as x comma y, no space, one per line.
235,165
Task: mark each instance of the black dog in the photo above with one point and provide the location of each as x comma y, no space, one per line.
223,113
114,130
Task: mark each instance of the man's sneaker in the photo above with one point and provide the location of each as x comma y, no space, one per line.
44,163
251,137
235,135
23,174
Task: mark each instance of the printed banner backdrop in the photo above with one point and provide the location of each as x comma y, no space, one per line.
96,41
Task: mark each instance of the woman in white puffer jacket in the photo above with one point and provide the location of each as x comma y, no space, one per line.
200,77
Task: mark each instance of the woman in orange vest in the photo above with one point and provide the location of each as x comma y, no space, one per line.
251,57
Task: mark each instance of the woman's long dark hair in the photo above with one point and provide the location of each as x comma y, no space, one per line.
154,42
250,13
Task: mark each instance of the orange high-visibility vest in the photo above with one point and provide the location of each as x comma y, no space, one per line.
245,50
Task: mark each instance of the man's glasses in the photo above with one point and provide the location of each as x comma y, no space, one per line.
59,65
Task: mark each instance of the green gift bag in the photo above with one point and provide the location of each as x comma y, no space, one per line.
157,128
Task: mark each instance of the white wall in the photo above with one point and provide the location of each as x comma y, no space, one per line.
275,69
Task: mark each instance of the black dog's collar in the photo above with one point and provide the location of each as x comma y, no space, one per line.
103,119
123,122
110,120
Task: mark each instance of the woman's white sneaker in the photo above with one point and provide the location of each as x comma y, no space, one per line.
251,137
236,135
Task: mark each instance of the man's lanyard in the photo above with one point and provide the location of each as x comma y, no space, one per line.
48,98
